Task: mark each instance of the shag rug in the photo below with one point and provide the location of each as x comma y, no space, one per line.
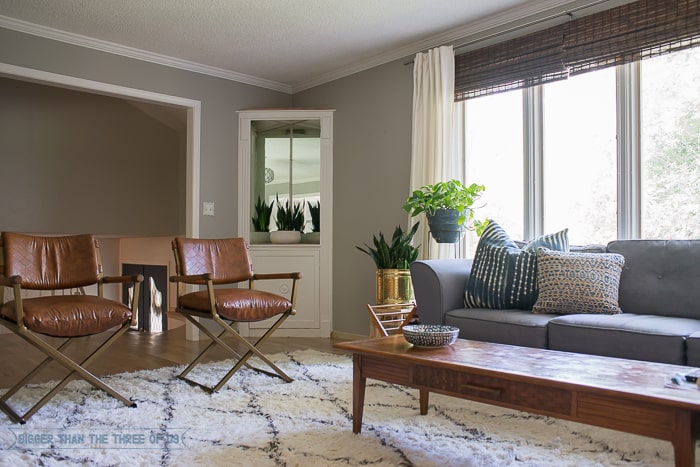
257,420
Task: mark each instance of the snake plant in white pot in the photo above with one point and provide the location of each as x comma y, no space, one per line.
290,222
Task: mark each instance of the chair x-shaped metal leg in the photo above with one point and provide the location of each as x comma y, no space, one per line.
55,354
242,359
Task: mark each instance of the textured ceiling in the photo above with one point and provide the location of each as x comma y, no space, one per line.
291,43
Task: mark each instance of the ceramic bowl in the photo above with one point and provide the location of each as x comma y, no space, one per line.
430,335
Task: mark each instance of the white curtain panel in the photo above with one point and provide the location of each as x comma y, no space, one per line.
438,142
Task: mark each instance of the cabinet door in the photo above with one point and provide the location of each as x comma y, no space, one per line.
305,261
288,154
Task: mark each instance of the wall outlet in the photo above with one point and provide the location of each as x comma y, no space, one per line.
208,209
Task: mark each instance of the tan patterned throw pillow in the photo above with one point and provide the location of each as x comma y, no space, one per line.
578,282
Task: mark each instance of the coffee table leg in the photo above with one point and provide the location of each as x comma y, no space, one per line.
684,438
358,393
423,396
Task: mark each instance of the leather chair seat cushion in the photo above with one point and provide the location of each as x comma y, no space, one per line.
69,315
238,304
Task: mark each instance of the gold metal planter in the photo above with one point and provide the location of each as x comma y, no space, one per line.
394,286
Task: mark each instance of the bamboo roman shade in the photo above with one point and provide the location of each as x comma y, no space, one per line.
518,63
634,31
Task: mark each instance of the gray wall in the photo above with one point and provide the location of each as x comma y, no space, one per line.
76,162
372,147
220,100
371,173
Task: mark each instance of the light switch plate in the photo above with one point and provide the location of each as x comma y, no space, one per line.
208,209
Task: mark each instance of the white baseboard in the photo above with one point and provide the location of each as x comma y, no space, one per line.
346,336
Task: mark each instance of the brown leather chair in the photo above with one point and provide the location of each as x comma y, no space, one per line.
221,262
59,268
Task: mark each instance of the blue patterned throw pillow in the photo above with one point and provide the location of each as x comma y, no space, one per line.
578,282
503,275
558,241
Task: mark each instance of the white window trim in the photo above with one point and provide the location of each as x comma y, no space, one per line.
628,155
629,202
533,172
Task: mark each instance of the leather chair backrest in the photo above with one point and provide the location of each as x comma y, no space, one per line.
227,260
49,263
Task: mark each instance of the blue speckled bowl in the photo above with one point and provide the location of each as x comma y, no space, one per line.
430,335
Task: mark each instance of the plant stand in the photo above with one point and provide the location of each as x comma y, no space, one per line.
390,319
457,246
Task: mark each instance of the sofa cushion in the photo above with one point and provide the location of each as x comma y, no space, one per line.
660,277
503,276
639,337
577,282
592,248
514,327
692,349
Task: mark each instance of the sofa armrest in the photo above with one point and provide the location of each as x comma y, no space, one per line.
439,286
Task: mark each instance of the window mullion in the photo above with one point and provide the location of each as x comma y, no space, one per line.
628,151
533,209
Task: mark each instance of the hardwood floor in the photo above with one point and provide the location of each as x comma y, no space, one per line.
135,351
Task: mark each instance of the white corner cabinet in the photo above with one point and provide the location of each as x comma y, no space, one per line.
287,155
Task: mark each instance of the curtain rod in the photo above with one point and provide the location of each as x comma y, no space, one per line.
569,13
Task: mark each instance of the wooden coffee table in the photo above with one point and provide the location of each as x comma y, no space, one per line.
624,395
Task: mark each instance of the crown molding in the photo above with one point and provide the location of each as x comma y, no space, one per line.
471,31
131,52
481,28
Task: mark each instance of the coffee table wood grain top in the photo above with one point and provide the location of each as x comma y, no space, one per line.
625,395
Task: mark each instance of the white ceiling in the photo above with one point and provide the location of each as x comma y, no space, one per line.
279,44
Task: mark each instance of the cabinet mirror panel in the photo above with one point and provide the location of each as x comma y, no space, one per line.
286,170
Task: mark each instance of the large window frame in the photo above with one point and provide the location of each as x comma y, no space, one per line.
619,37
628,155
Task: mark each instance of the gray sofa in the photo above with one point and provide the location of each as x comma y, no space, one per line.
659,295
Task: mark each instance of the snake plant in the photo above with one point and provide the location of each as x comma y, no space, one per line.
398,254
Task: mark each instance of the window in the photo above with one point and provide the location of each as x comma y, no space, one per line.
579,157
494,135
670,160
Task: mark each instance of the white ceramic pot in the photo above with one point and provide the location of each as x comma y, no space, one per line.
285,236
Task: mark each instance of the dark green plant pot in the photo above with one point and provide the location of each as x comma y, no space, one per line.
443,226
